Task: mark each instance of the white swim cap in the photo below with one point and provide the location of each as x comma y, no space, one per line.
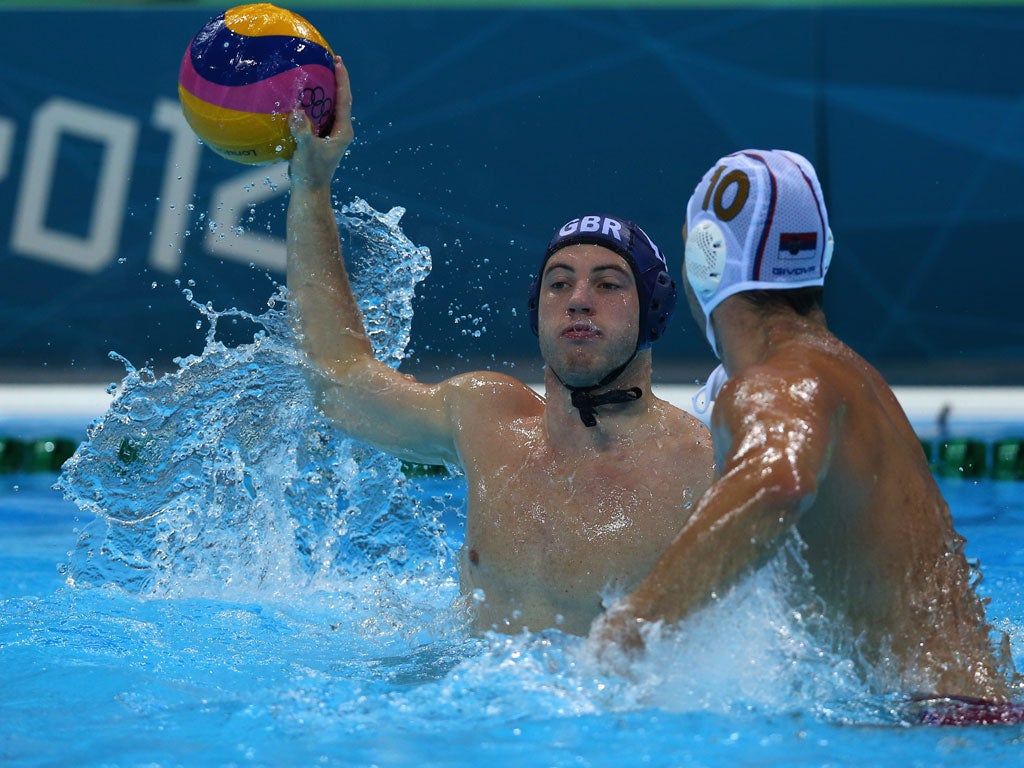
756,221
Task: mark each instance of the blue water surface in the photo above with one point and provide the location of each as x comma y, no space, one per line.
381,672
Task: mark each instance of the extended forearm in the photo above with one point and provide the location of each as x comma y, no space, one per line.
366,398
327,315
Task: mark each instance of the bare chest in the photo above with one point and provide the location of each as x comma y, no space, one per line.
572,528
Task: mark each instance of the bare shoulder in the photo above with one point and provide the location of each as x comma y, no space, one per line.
678,421
795,383
688,435
814,386
496,393
683,442
490,413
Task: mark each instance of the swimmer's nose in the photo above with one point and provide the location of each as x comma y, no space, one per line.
580,300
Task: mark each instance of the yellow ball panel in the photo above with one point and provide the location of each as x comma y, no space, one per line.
259,19
246,137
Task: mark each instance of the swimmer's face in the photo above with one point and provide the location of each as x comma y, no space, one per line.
588,313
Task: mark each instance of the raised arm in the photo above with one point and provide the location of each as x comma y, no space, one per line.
774,450
366,398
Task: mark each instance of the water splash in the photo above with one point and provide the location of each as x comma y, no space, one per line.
222,479
760,650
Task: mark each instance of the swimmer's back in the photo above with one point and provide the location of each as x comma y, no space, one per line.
880,537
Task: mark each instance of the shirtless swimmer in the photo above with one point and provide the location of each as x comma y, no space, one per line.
569,495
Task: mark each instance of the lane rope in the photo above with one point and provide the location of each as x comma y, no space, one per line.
966,457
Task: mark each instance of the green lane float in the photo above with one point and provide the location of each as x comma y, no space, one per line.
45,454
961,457
1008,459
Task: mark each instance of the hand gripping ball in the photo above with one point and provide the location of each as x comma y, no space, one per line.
243,74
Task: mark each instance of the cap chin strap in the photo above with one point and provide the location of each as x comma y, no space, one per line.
706,394
586,403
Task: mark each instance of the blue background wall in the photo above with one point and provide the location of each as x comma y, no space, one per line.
491,127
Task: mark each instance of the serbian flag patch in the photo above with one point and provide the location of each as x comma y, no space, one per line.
794,242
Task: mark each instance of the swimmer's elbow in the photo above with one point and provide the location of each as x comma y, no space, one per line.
770,480
328,373
341,362
787,490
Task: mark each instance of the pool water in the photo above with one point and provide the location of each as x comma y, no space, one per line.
380,671
219,578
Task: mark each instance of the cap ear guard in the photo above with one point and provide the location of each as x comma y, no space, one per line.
659,309
705,257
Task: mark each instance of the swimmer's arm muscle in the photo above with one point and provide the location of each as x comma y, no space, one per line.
368,399
328,318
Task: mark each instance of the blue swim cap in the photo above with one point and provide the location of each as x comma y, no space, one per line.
656,289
